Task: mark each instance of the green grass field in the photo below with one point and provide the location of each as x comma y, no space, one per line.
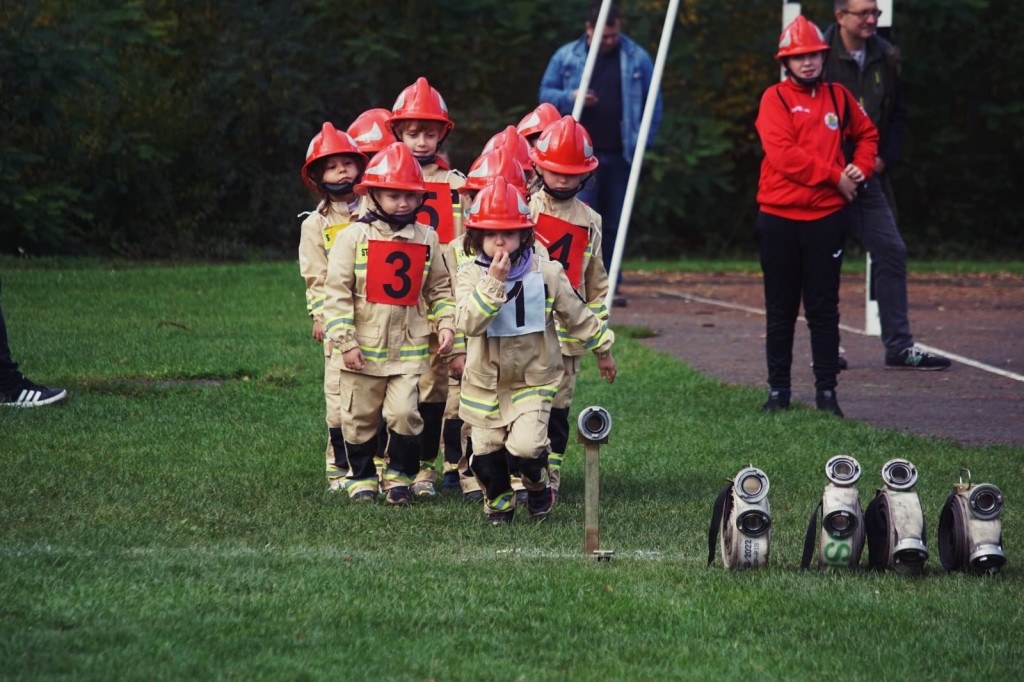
170,521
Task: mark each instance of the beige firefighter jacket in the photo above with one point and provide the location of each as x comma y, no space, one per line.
508,376
593,288
394,339
319,230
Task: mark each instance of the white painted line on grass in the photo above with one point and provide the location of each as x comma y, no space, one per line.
853,330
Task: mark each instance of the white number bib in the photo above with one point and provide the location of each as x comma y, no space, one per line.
523,311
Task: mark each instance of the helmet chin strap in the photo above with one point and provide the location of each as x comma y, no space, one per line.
563,194
340,188
390,218
337,188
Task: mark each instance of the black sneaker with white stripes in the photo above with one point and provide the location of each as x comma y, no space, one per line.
28,394
915,358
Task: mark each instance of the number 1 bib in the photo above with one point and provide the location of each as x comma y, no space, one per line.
523,311
438,210
394,271
565,242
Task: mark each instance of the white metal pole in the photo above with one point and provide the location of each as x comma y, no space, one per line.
588,67
790,11
872,321
641,146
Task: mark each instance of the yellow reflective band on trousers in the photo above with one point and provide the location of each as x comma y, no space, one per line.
397,477
503,502
486,409
542,392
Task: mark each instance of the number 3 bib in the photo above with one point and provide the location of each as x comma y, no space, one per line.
394,271
523,311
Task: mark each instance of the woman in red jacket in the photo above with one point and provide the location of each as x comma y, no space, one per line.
806,181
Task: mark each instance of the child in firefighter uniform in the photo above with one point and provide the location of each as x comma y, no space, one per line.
457,445
334,163
371,130
507,298
384,274
419,119
571,232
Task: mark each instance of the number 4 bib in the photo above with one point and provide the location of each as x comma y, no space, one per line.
566,243
394,271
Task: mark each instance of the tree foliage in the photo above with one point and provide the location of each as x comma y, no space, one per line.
177,128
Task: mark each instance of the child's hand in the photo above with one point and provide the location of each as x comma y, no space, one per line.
854,173
354,358
445,341
457,366
847,187
500,266
606,363
318,331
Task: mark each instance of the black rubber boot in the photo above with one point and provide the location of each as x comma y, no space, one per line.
338,445
430,439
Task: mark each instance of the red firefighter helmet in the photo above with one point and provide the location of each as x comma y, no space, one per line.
515,143
800,37
565,147
394,167
494,164
328,142
372,130
499,206
537,120
421,102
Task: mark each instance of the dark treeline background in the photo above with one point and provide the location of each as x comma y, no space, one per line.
177,128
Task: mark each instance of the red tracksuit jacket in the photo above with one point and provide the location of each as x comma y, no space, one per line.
800,133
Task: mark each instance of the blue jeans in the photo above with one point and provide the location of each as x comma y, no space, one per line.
605,193
9,374
871,220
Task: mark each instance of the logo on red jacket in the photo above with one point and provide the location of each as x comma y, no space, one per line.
832,121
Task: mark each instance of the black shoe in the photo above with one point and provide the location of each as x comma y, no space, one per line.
450,482
540,502
473,496
28,394
915,358
777,401
400,494
501,518
826,402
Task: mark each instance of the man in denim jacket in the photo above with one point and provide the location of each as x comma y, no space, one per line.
611,114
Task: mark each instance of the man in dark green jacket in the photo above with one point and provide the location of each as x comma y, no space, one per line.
869,67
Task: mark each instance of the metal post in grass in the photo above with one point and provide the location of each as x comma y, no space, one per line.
593,426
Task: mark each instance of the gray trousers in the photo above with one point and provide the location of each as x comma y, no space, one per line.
872,221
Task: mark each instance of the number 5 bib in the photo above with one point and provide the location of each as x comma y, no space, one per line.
394,271
524,309
438,210
566,243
